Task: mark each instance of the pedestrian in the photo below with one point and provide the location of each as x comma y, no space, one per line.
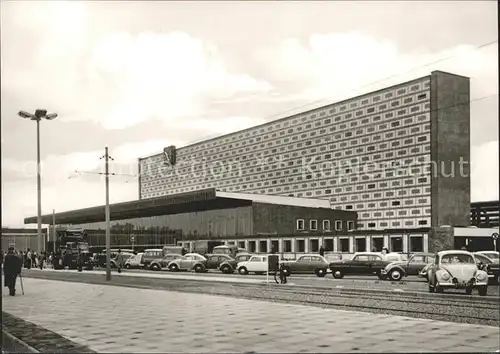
79,260
41,260
385,250
28,259
322,251
12,268
119,260
33,259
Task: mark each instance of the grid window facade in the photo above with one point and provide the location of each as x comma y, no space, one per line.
370,154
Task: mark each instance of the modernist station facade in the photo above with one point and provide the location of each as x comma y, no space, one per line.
398,157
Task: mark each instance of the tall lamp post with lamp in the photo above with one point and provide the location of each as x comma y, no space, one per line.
38,116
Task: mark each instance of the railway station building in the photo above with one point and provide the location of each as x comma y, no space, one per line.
388,168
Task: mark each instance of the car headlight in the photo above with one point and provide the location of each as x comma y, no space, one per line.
481,276
445,276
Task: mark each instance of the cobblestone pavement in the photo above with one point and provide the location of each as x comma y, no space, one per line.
118,319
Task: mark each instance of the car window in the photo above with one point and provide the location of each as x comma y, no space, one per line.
255,259
315,259
244,258
360,258
457,259
418,259
264,259
375,258
188,258
392,258
304,259
483,259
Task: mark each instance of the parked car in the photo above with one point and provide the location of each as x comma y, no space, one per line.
397,270
493,255
425,270
362,263
307,264
255,264
161,263
229,266
489,266
332,257
457,270
395,257
134,261
215,260
190,261
150,255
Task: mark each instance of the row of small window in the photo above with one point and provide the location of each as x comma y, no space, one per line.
391,131
416,168
419,155
400,213
294,121
313,225
373,203
394,223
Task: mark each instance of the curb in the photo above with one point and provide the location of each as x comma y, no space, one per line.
19,342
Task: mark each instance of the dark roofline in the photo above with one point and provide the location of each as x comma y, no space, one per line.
8,230
297,114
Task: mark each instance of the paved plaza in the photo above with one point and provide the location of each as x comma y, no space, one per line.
118,319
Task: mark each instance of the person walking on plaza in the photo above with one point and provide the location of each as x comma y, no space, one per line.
119,260
28,259
41,260
79,260
322,251
12,268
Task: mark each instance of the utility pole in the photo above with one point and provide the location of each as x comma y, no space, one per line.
108,221
54,237
106,173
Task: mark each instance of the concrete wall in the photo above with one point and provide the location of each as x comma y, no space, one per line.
450,144
441,239
281,219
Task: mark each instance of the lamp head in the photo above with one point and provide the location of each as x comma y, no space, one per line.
40,113
51,116
26,115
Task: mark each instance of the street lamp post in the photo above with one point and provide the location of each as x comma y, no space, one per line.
38,116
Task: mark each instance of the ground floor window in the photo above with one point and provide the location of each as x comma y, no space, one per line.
300,246
263,246
416,244
241,244
287,245
360,245
396,244
275,246
377,244
344,245
251,246
314,245
328,245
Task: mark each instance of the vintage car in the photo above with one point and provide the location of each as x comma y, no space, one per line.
125,257
423,273
215,260
161,263
397,270
190,261
134,261
457,270
256,264
493,255
229,266
362,263
489,266
307,264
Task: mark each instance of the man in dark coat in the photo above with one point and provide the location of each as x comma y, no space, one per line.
12,268
321,251
79,260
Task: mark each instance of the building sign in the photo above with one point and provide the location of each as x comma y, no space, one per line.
170,155
494,236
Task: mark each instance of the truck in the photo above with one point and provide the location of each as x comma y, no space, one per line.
205,247
68,244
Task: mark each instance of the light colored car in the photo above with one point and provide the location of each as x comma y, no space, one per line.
160,263
229,266
134,261
256,264
457,270
125,258
494,256
190,261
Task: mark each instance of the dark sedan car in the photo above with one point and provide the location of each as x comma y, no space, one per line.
161,263
307,264
397,270
489,266
362,263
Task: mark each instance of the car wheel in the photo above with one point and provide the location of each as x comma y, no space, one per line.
320,273
337,274
155,267
438,288
243,271
173,268
199,268
483,290
431,288
468,290
127,266
226,269
396,275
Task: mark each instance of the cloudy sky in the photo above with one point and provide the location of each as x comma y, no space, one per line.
138,76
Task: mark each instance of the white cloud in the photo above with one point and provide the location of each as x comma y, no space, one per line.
484,172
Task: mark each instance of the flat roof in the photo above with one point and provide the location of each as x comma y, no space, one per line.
206,199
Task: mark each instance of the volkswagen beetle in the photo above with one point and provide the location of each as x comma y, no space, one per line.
457,270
